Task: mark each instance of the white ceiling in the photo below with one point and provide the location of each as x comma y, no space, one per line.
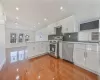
33,11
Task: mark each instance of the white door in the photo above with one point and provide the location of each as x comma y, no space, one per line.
78,57
92,60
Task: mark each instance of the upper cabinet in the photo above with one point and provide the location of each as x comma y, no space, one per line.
51,29
69,25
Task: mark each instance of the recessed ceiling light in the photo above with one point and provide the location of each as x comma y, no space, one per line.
17,8
61,8
17,18
38,23
45,19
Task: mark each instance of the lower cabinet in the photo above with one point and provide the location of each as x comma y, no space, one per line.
87,59
79,57
92,60
37,48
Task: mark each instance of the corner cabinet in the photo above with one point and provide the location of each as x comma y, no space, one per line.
87,56
69,25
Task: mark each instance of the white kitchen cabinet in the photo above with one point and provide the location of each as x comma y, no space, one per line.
79,57
87,57
69,25
83,36
51,28
37,48
92,60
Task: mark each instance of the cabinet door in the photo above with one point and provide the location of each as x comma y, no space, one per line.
78,57
68,25
92,60
51,30
64,25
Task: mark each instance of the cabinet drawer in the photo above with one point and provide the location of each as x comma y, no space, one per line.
79,46
93,47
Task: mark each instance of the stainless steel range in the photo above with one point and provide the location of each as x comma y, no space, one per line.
54,46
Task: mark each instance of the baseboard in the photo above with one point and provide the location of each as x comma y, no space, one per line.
2,64
37,56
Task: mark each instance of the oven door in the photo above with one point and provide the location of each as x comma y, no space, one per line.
53,50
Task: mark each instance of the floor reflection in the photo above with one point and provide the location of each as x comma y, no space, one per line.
13,56
45,68
16,54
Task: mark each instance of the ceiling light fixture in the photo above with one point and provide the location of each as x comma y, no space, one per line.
45,19
17,8
17,18
61,8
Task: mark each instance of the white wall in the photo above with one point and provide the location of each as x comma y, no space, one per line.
11,27
2,37
17,31
2,45
42,34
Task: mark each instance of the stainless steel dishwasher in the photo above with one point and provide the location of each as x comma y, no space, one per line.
67,51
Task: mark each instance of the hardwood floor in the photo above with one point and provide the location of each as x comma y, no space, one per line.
45,68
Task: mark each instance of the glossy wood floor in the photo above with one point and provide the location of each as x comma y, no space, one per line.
45,68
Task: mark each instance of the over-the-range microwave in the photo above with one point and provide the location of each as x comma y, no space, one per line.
94,36
90,31
91,35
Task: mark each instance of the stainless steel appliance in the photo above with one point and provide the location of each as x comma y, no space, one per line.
94,37
54,46
67,51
